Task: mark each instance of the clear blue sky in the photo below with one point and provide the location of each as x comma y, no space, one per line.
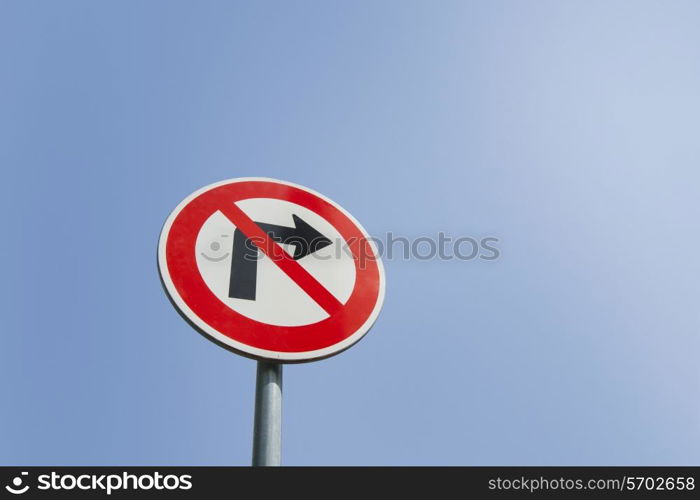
567,129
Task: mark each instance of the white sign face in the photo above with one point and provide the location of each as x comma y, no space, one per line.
278,299
271,270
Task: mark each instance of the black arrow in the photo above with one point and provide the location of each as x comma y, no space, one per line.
244,262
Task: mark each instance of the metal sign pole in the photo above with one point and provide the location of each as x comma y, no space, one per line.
267,428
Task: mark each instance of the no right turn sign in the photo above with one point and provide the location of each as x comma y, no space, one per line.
271,269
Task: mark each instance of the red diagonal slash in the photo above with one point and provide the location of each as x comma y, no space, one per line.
288,265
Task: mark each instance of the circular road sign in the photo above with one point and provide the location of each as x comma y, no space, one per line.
271,270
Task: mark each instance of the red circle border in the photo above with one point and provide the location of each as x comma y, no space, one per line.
190,286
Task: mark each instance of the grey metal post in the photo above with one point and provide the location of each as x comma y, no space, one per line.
267,428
